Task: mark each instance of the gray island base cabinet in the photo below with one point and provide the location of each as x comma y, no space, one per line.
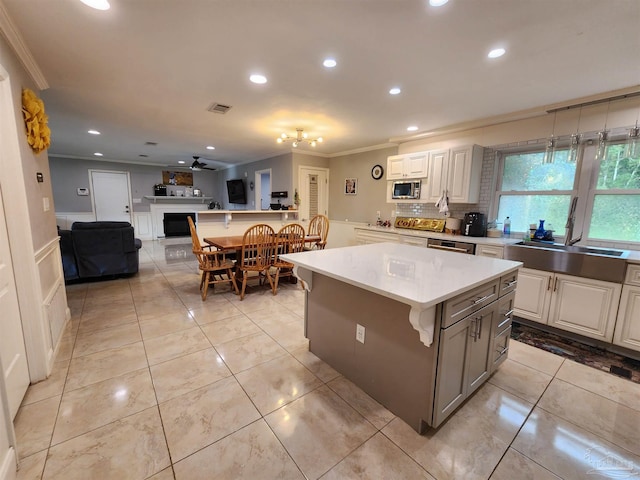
421,384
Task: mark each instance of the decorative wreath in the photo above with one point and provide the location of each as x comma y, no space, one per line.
35,120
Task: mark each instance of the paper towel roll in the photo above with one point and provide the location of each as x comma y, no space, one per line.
452,223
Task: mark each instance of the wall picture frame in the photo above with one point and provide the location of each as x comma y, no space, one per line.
351,186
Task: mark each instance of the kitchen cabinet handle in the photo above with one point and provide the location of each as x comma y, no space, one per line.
481,299
503,351
473,329
549,284
555,284
508,314
511,283
480,328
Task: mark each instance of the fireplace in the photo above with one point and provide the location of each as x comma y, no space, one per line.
176,224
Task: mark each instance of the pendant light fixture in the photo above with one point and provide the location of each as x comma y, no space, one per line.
572,156
603,136
551,143
632,149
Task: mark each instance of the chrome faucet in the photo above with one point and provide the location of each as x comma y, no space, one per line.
571,219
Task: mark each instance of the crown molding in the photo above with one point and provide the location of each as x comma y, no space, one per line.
11,33
522,114
363,149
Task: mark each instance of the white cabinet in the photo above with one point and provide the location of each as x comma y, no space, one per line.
584,306
457,172
411,165
581,305
627,331
365,237
533,294
493,251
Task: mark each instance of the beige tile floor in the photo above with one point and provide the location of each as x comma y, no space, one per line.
151,382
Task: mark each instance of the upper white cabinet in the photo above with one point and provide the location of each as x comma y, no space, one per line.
410,165
455,172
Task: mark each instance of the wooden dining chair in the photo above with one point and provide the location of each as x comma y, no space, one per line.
258,248
319,225
212,263
290,239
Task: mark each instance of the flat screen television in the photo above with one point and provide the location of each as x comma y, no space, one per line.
236,191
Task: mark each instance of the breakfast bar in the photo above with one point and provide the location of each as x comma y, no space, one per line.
418,329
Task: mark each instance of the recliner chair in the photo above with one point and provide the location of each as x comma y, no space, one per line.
99,249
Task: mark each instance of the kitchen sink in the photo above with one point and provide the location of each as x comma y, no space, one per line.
589,262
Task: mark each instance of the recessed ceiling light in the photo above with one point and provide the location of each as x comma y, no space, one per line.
211,147
395,91
437,3
97,4
180,161
412,128
256,78
93,132
496,52
329,62
98,154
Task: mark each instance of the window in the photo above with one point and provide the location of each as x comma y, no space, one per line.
531,190
615,213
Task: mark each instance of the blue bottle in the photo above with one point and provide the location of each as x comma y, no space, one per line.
539,233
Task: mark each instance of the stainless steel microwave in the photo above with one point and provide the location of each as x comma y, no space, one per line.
406,189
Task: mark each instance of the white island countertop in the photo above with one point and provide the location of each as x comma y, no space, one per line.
417,276
413,275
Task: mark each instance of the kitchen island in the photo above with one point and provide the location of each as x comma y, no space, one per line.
418,329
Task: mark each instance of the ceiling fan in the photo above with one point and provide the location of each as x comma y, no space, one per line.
196,166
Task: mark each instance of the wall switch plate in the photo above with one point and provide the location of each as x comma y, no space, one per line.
359,333
45,204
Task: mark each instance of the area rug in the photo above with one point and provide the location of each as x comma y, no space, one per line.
579,352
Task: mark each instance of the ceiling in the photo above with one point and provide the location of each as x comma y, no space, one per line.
148,70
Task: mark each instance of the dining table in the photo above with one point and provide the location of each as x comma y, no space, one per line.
234,242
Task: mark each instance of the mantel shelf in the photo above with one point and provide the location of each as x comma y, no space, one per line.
169,198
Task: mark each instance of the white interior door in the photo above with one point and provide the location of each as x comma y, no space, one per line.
12,349
111,195
314,192
263,189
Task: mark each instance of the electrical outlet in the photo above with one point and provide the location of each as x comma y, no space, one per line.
359,333
377,213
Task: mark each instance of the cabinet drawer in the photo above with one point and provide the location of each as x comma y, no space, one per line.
501,347
469,302
508,283
490,251
633,275
505,314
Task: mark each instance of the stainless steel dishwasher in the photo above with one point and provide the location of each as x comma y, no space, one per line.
451,245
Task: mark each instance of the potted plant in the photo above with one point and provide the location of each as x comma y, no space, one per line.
296,199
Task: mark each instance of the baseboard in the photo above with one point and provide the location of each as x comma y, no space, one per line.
8,470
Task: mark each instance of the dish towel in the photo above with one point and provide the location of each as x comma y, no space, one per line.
442,204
